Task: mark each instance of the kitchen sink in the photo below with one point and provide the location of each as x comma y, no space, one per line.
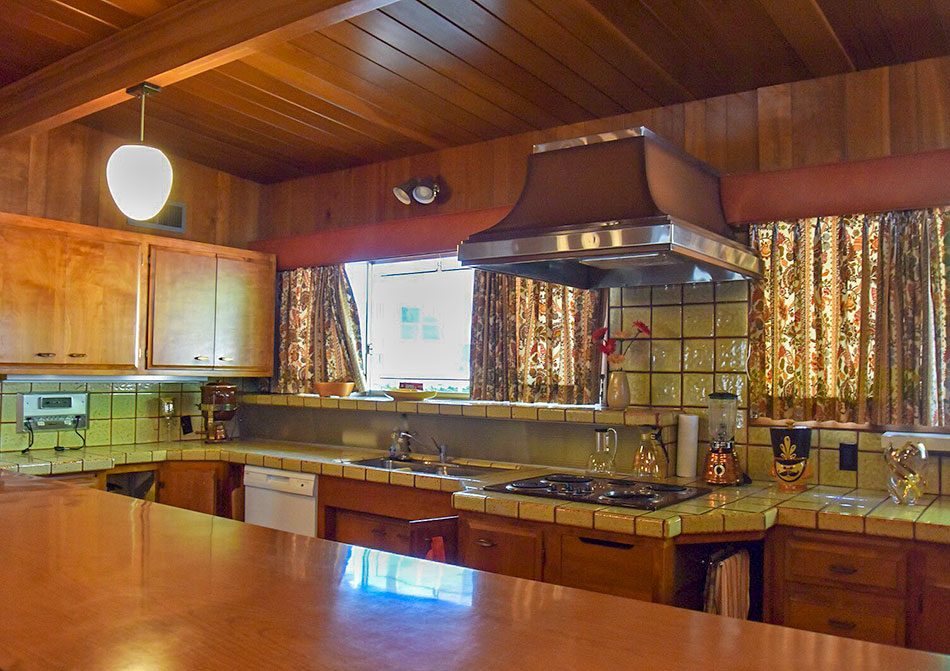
427,467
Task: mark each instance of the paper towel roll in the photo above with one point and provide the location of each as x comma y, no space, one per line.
687,438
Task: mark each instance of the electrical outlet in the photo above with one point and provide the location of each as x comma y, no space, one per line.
847,456
186,425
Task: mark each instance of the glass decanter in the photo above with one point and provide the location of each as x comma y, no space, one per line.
650,460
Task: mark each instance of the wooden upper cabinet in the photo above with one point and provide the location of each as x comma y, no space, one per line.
68,298
211,311
102,283
182,289
244,313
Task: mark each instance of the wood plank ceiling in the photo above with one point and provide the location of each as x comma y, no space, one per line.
420,75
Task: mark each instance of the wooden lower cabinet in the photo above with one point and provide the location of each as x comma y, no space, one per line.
931,586
497,545
386,517
836,583
202,486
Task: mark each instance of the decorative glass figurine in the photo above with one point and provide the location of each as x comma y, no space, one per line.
906,464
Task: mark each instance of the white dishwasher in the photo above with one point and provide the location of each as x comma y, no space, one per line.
285,500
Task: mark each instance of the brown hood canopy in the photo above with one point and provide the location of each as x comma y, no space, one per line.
616,209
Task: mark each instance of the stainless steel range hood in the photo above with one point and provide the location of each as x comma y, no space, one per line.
617,209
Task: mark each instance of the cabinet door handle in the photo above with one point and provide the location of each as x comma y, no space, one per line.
606,544
225,358
46,355
202,358
842,569
485,543
77,355
842,624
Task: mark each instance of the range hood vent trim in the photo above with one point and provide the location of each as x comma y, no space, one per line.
654,205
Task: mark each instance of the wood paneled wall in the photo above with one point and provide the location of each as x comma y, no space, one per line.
61,175
897,110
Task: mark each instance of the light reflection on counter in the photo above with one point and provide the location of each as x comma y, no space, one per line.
381,572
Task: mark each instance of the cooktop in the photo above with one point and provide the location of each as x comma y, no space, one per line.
608,491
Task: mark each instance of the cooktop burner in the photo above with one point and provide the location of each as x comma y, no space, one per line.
627,493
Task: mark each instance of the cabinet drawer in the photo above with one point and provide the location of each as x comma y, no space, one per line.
852,564
501,547
372,531
594,563
867,617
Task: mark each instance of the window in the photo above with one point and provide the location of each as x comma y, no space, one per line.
416,317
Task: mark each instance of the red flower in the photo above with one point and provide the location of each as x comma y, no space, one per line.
641,327
608,346
599,334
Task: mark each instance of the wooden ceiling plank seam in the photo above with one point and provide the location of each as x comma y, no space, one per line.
765,60
808,31
30,19
250,76
561,45
273,100
411,69
667,48
273,117
187,38
720,53
180,141
422,49
861,33
106,13
311,84
502,38
616,47
351,64
177,106
489,62
913,28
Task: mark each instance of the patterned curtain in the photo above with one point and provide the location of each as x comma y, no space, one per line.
849,321
319,332
531,341
912,355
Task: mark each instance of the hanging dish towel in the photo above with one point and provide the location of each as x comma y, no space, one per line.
727,586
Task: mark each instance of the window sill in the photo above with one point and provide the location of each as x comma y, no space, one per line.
531,412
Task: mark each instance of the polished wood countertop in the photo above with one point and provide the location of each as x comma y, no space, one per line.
98,581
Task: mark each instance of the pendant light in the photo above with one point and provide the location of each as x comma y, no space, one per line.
139,176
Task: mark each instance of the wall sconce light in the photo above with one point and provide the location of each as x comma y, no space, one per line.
423,190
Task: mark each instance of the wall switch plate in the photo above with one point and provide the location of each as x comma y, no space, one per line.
186,425
847,456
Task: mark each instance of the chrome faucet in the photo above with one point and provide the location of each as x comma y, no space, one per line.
399,446
442,450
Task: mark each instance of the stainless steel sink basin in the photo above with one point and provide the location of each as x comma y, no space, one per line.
428,467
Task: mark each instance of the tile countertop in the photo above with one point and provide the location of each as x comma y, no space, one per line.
754,507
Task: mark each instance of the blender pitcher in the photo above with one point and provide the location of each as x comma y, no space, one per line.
603,460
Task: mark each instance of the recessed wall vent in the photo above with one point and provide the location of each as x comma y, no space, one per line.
171,218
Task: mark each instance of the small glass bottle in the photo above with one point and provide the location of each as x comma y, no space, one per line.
650,460
603,460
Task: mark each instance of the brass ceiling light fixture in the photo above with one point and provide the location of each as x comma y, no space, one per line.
139,176
423,190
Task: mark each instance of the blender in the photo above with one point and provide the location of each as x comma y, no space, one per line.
722,465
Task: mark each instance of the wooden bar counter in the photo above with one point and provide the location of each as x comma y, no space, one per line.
96,581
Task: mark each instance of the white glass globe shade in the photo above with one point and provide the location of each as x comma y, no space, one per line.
139,179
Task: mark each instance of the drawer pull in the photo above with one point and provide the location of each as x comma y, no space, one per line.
46,355
842,569
485,543
379,531
606,544
202,358
844,625
225,358
77,355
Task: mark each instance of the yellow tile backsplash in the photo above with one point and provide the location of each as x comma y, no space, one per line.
120,413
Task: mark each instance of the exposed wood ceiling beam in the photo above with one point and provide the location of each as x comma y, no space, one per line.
188,38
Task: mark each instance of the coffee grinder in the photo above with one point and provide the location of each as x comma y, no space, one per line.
722,465
218,403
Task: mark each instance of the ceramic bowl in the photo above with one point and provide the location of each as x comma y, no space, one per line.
335,388
410,394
